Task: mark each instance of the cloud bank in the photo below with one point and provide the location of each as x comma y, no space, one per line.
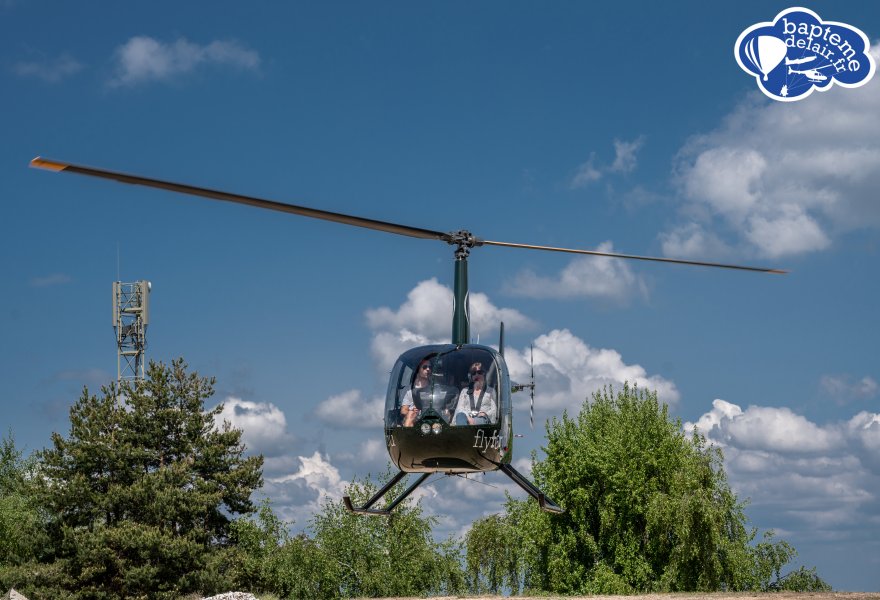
780,179
568,368
820,480
298,496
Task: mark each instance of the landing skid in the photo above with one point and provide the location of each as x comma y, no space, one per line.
366,510
546,504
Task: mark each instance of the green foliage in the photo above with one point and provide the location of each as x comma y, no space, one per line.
141,492
347,556
386,556
140,501
768,559
22,534
643,502
803,580
647,510
269,559
492,556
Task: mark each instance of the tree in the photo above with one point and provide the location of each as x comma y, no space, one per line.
386,556
267,558
21,521
347,555
142,490
492,558
647,509
769,559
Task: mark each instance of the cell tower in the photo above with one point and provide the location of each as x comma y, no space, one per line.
131,314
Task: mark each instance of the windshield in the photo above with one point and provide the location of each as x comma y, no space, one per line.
457,385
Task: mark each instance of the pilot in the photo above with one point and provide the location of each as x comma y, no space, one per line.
477,404
413,400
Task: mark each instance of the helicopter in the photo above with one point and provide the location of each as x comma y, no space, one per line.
811,74
448,407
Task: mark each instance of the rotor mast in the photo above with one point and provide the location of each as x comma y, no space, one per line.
461,315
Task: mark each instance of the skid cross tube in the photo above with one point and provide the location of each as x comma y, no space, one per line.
544,502
366,510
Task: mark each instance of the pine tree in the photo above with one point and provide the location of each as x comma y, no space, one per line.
142,490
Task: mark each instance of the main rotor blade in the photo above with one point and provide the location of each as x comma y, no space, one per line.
635,257
462,237
192,190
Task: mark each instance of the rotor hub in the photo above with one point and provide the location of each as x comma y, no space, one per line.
464,240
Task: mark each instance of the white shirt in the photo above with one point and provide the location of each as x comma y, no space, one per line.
408,397
489,406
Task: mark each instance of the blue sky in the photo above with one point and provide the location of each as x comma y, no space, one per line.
568,124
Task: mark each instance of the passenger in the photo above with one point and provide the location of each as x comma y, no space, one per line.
413,401
477,404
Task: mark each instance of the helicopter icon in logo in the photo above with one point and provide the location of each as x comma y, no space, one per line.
812,74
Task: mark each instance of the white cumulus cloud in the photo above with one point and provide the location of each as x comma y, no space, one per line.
317,473
263,425
694,240
780,179
142,58
767,429
568,371
425,317
819,479
299,495
350,409
584,277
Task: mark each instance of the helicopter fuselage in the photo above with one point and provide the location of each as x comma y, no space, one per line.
463,425
456,449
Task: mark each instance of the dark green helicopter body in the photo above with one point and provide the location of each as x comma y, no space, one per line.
441,439
435,444
444,446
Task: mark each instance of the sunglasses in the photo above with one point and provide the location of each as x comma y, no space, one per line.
477,372
425,367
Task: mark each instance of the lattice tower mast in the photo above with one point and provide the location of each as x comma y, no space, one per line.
131,314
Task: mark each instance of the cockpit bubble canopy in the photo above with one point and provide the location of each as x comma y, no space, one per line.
444,382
